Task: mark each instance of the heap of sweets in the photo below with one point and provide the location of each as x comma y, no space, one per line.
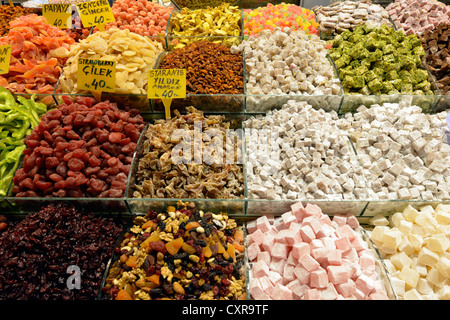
140,16
415,246
401,151
436,44
279,16
346,15
134,55
418,16
222,24
298,152
170,167
306,255
180,254
287,62
378,61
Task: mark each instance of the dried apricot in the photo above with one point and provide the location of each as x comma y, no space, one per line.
187,248
173,246
192,224
123,295
207,252
231,252
132,262
148,224
153,278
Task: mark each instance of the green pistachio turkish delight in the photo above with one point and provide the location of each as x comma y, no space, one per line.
381,61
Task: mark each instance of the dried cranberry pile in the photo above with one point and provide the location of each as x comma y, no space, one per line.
80,149
35,254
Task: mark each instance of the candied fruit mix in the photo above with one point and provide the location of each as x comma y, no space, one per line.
183,254
36,252
80,149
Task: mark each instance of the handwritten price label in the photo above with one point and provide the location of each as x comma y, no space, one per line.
95,13
5,57
58,15
166,84
96,75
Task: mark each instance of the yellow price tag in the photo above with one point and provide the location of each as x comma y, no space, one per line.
58,15
5,57
95,13
96,75
166,84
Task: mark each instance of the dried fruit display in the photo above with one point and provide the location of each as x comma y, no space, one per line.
80,149
36,253
38,54
211,68
134,55
9,13
140,16
222,24
164,172
183,254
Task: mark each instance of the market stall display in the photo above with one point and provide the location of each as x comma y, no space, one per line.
280,15
183,254
306,255
437,56
79,149
346,15
308,160
377,61
222,24
416,17
212,68
402,151
9,13
167,166
201,4
298,152
38,54
134,55
143,17
414,246
38,249
286,62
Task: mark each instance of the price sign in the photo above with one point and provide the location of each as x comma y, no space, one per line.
58,15
95,13
96,76
5,57
166,84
